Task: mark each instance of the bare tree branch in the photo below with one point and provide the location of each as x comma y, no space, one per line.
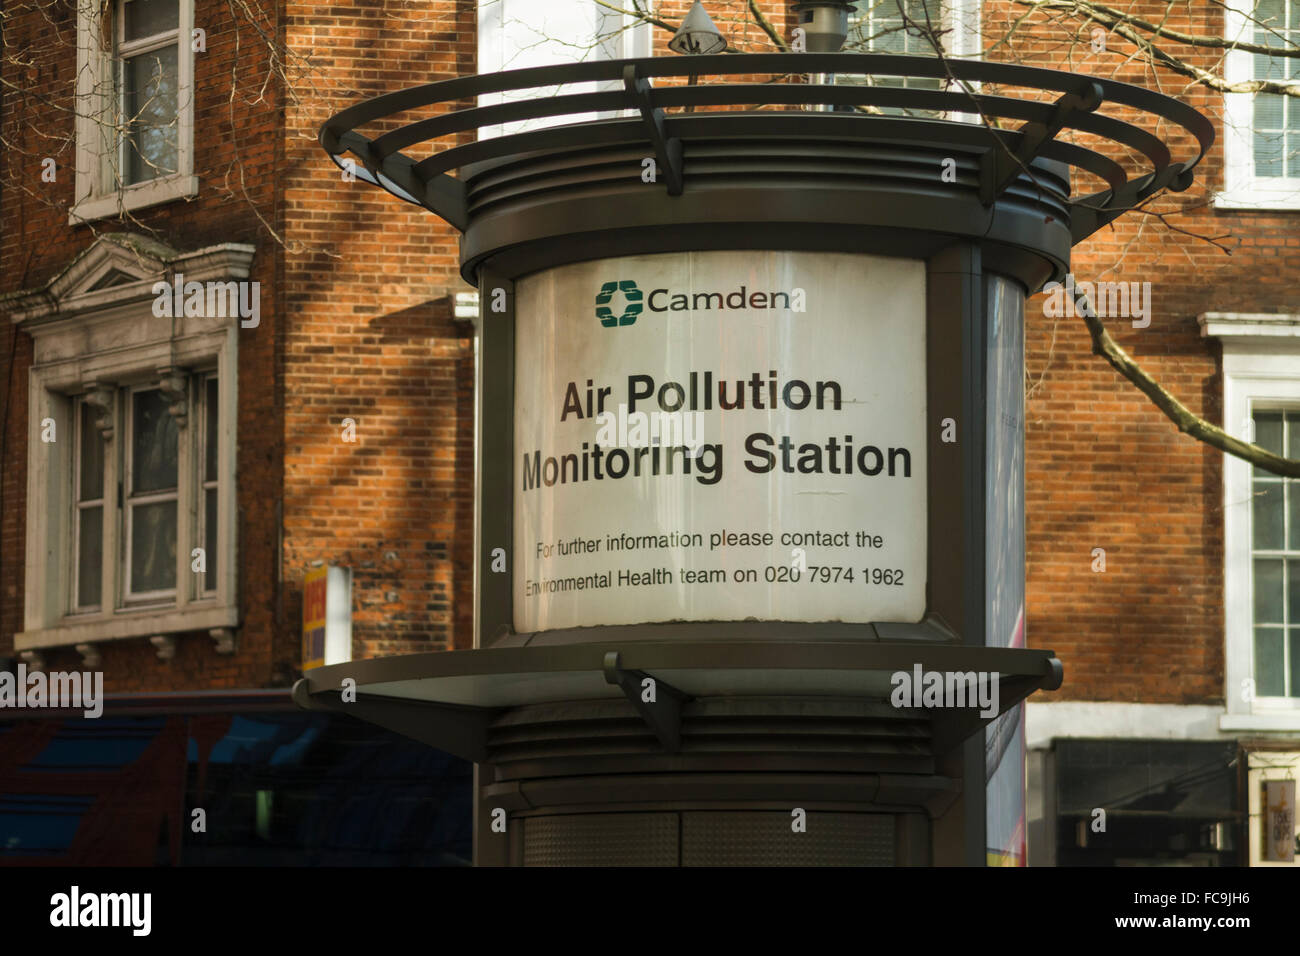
766,26
1122,25
1102,13
643,15
1178,413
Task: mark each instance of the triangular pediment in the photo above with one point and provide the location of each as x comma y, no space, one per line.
118,268
111,278
112,261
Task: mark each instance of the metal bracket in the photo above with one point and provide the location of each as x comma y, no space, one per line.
1086,219
445,195
999,167
950,727
668,150
664,715
458,730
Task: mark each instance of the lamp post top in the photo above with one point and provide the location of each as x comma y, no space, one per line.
697,34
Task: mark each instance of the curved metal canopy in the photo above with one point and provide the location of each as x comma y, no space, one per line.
1047,103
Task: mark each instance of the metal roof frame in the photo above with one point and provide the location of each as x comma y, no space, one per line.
426,180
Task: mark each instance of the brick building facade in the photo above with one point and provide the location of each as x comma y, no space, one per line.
350,441
372,338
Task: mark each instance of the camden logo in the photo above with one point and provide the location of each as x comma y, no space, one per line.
631,296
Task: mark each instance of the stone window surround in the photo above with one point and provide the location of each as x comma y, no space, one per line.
1261,369
110,336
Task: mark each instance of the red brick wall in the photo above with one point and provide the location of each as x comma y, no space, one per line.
236,157
369,286
1105,469
15,360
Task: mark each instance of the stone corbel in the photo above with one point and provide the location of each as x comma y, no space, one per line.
33,659
174,385
100,397
89,655
164,645
224,637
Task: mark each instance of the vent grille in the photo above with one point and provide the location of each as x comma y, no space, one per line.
604,839
720,733
708,838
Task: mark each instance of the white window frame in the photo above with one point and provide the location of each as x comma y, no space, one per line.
124,49
110,340
1242,189
1261,371
99,150
116,538
960,26
514,34
205,484
131,598
76,607
1292,410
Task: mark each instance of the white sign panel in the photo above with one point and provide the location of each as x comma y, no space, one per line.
1279,821
720,436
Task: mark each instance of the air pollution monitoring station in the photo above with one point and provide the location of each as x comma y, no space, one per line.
750,517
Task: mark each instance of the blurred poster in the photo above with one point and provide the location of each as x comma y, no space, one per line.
1004,739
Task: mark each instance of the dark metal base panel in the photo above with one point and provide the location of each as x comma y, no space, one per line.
708,838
